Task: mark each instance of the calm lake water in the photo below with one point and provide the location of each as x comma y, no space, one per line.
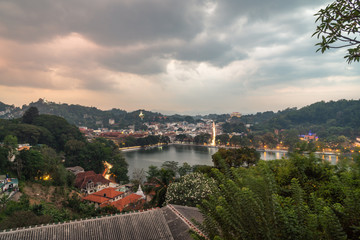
191,154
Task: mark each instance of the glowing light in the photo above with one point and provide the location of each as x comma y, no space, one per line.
214,135
141,115
46,177
107,173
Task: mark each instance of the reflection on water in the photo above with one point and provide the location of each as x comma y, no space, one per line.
192,155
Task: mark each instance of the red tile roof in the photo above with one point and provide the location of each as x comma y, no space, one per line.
83,178
109,193
122,203
95,198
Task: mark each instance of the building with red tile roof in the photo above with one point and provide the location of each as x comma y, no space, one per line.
104,197
110,192
90,182
132,199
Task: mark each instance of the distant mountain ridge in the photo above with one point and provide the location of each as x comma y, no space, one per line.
318,116
80,115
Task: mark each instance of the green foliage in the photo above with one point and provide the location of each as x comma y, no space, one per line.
324,118
239,157
59,128
183,138
190,190
290,138
222,139
339,27
91,156
4,162
297,198
30,115
184,169
166,176
203,138
234,127
153,172
30,164
120,168
24,218
11,142
170,165
149,140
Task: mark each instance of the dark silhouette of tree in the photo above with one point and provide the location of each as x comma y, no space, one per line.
30,115
166,176
339,25
240,157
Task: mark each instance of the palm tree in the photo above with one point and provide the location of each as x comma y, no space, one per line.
166,176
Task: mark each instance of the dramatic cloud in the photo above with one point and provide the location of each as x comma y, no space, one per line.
190,56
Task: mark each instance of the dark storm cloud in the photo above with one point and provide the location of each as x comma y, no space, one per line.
259,10
230,49
112,23
106,22
215,52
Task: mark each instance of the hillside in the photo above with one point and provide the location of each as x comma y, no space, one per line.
81,115
325,118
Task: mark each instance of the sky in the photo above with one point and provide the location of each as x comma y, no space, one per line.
170,56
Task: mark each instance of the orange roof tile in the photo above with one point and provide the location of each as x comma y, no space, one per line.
109,193
95,198
122,203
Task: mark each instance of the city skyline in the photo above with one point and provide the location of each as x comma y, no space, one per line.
186,57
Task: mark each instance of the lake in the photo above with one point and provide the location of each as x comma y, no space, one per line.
193,155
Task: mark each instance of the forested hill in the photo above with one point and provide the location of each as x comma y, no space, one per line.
82,115
342,113
37,129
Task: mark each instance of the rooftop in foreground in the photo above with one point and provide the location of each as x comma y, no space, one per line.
167,223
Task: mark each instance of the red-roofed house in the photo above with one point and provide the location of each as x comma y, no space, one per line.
133,199
104,197
90,182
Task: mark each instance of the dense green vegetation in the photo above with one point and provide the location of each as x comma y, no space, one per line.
53,140
297,198
44,164
36,129
21,213
91,156
328,120
145,141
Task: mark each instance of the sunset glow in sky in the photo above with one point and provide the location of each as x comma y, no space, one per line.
187,57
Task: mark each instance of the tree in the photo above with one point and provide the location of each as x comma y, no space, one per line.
166,176
120,168
11,143
4,163
235,157
30,164
203,138
339,25
171,165
190,189
247,203
153,172
184,169
30,115
138,176
222,139
290,138
270,140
